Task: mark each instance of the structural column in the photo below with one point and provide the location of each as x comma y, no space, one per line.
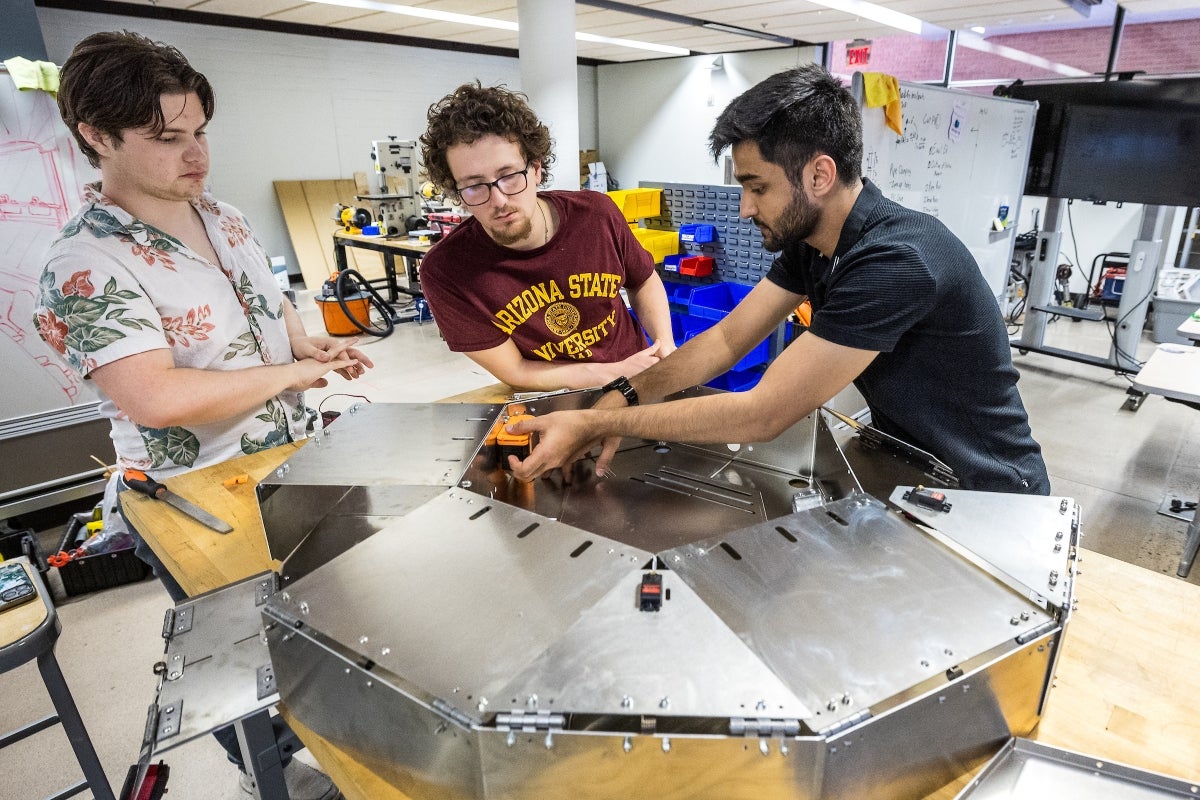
549,77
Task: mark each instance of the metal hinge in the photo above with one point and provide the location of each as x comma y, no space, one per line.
452,712
530,721
848,722
758,727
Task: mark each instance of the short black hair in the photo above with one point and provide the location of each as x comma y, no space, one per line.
115,81
793,116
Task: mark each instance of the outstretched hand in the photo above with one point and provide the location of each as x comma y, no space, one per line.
326,349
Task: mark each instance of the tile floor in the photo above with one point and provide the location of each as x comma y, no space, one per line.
1117,463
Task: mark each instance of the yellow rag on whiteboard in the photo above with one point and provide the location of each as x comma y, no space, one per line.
28,74
884,90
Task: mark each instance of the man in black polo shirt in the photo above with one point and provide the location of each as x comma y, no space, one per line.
900,309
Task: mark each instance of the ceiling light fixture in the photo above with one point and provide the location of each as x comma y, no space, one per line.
489,22
770,37
876,13
681,19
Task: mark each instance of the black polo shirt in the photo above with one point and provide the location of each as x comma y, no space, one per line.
902,284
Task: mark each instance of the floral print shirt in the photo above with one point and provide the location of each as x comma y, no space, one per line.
114,286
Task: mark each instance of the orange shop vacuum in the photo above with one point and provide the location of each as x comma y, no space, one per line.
346,301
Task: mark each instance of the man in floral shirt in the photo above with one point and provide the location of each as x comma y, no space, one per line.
161,295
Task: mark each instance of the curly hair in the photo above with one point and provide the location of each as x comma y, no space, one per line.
471,112
792,116
114,81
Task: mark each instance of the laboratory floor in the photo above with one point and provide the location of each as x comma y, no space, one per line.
1118,464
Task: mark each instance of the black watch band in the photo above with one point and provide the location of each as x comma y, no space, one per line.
623,386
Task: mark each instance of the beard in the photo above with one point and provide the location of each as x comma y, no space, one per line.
512,233
796,223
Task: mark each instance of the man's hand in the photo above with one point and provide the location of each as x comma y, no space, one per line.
563,437
638,362
326,349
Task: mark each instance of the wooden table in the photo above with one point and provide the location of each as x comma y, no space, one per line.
1125,687
410,252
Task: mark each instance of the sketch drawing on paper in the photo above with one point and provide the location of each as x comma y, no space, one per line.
40,187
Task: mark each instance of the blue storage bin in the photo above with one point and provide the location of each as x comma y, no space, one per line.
670,263
718,299
679,294
698,233
686,327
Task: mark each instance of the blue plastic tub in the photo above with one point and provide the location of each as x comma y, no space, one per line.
716,300
698,233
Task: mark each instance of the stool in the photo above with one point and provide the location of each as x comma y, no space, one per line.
29,631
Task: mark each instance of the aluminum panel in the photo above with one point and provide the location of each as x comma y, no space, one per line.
849,604
1033,551
213,660
460,595
366,453
679,661
1031,769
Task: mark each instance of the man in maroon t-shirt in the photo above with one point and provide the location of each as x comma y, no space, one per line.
529,286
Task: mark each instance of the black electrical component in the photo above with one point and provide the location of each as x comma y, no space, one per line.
927,498
650,592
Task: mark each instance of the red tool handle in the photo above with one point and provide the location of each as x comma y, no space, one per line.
136,479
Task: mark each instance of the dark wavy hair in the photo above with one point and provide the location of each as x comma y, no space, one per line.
792,116
114,81
471,112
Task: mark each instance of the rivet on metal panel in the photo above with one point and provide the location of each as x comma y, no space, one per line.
1015,621
370,684
664,703
627,745
383,651
1024,615
1062,507
279,472
924,663
832,704
532,702
966,688
303,607
1053,579
363,640
285,597
482,705
1058,536
845,699
354,408
465,484
170,709
941,700
174,675
1041,647
760,705
346,671
626,702
666,744
948,651
1058,548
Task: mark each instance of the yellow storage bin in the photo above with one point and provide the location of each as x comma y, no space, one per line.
659,243
638,203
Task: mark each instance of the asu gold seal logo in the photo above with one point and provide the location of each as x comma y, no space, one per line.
562,318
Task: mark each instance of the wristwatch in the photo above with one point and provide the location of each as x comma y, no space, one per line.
623,386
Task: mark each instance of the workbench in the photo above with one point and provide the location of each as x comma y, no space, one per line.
1124,690
1190,329
1173,371
408,251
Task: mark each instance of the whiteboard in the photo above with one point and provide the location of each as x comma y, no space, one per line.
962,158
41,179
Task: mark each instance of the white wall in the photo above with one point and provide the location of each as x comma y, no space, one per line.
292,107
655,116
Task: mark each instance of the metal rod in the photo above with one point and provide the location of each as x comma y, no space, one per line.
1114,47
951,48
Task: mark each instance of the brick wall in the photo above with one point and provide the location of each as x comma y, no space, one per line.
1159,48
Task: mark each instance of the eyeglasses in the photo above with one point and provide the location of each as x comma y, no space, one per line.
479,193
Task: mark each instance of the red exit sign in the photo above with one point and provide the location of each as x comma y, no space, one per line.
858,54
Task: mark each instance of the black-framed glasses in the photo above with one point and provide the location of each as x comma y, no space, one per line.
479,193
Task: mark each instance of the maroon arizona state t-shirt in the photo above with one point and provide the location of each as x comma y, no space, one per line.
557,302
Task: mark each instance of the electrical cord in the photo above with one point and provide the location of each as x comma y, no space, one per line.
349,282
